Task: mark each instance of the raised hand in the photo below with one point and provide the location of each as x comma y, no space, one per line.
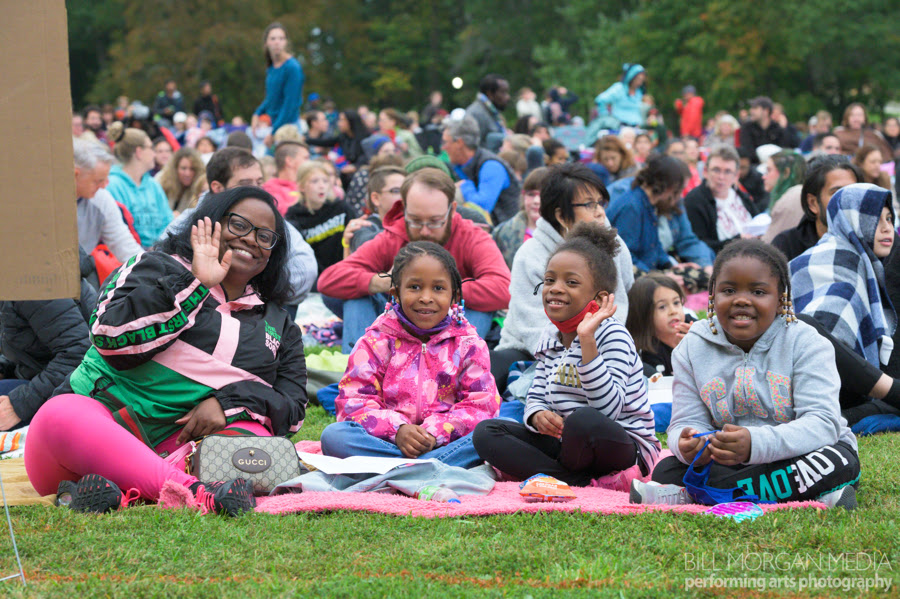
591,322
205,240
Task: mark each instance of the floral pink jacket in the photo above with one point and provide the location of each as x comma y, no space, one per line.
392,379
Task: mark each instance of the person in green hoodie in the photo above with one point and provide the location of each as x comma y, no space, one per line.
130,183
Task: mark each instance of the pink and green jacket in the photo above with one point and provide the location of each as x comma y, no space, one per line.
445,384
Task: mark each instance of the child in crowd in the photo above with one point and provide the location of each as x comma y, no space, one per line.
383,191
419,380
656,321
320,221
587,412
767,386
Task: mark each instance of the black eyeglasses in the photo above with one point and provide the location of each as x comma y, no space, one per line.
240,226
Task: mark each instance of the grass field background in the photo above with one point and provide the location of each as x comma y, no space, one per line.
148,552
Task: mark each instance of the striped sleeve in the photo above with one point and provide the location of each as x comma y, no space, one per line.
536,401
143,307
604,378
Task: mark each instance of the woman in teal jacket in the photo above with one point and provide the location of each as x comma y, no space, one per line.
130,183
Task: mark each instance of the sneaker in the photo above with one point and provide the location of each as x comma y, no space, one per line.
92,494
229,498
657,493
844,497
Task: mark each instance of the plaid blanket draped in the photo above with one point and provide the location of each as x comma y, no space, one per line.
840,282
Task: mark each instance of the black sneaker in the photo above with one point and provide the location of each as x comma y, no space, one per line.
230,498
92,494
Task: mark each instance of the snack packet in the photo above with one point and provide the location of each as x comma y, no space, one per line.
542,488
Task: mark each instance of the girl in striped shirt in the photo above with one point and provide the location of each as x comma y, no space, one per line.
587,412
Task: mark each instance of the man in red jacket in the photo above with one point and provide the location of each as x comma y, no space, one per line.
690,108
427,212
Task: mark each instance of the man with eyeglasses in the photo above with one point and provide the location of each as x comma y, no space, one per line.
426,212
233,167
717,210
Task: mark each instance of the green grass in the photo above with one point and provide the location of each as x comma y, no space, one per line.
147,552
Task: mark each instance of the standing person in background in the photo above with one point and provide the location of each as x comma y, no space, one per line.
435,102
623,98
284,82
210,102
167,103
131,184
487,109
690,108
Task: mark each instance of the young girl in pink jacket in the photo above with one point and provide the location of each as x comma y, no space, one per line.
420,379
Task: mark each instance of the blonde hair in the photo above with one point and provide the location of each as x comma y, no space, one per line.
287,133
306,171
181,197
126,140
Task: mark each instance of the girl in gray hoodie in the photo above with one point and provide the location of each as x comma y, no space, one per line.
767,385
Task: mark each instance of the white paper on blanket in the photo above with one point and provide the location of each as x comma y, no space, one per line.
759,225
354,465
660,389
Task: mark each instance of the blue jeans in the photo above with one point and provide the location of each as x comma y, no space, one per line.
360,313
7,385
346,439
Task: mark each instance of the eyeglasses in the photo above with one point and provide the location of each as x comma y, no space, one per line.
590,206
240,226
417,224
393,191
720,171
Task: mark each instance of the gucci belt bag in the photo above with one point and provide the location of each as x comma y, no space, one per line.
265,462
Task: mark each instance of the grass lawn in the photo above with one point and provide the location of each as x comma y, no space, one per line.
148,552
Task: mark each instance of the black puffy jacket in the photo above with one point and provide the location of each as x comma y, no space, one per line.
45,341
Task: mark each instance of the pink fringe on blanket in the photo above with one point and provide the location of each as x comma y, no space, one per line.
504,499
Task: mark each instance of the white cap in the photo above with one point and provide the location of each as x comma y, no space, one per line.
179,117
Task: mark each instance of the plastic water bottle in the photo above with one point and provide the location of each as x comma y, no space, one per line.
437,493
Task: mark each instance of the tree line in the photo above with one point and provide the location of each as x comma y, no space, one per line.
807,55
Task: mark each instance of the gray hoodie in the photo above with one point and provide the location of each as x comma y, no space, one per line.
784,391
526,319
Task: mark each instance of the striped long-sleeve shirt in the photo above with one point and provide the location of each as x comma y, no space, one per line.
611,383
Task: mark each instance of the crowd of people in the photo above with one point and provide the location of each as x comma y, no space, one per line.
456,250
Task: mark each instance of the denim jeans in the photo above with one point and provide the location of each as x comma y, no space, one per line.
360,313
346,439
7,385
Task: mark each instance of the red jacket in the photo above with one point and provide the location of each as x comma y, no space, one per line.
476,254
691,116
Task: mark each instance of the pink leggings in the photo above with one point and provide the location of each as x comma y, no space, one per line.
73,435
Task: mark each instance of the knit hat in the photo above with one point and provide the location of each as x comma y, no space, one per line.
427,161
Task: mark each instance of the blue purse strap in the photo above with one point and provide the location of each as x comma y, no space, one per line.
695,481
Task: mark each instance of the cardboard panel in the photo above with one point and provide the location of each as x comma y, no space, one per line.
38,230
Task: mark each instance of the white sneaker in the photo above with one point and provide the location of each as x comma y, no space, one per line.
657,493
844,497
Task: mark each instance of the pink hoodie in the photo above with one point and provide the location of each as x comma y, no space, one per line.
285,192
445,385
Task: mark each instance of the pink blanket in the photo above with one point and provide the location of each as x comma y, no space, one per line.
503,499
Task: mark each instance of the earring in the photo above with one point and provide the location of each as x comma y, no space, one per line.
710,312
